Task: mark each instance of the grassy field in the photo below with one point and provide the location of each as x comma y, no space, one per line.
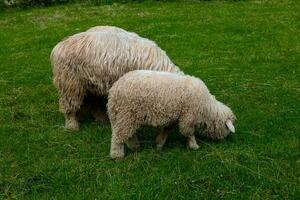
248,53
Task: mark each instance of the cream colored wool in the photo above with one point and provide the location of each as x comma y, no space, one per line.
113,29
92,61
145,97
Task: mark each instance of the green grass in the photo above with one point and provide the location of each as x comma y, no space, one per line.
248,54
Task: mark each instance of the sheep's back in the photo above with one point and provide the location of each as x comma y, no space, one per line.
101,58
112,29
156,98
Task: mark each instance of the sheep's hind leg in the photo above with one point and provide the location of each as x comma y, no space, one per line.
71,98
71,121
162,137
187,129
133,143
100,116
98,109
69,105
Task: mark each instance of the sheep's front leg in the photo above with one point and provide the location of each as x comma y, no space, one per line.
192,143
116,149
121,133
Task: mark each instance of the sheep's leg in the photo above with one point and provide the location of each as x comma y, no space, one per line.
72,93
71,121
133,143
162,137
120,135
98,109
100,116
116,149
187,129
192,143
69,105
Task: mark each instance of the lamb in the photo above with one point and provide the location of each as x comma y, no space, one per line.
90,62
145,97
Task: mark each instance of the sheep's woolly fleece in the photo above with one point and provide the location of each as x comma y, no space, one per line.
92,61
144,97
113,29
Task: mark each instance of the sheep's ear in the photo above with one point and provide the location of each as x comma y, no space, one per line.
230,126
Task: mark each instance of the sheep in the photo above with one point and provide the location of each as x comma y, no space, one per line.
113,29
90,62
97,104
145,97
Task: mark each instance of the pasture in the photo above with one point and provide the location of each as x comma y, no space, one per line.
248,54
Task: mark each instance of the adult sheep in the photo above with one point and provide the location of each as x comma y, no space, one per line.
90,62
145,97
113,29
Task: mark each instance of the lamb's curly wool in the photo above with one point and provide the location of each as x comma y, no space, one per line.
92,61
145,97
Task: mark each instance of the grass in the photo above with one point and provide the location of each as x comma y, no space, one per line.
248,53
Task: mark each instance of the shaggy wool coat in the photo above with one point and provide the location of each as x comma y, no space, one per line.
92,61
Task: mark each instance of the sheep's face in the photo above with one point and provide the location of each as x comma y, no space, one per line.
220,124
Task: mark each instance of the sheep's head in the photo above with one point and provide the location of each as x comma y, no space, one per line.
219,122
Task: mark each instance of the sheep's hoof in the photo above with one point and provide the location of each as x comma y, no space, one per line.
194,146
133,143
117,156
101,117
159,147
133,146
72,126
118,159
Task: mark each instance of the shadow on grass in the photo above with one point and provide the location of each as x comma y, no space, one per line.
148,134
